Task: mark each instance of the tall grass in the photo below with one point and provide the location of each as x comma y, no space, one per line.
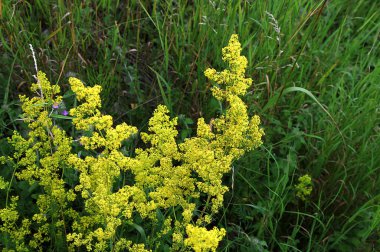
148,52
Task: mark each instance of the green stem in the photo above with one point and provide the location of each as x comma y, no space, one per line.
9,187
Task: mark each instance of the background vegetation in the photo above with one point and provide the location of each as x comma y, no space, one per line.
316,70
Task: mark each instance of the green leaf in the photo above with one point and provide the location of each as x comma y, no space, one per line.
61,117
139,229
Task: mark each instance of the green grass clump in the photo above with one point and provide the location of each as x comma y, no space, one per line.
315,66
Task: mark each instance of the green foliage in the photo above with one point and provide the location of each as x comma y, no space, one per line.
315,67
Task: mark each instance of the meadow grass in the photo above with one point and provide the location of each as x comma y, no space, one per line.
315,65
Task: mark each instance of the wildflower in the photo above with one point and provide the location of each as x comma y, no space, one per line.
200,239
166,175
304,187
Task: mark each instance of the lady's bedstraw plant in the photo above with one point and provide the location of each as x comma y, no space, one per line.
175,189
304,187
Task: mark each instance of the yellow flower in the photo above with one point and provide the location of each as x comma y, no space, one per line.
304,187
200,239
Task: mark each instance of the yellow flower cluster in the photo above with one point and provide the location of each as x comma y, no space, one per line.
200,239
9,217
304,187
168,179
107,209
39,158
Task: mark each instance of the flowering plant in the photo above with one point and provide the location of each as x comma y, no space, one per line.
97,195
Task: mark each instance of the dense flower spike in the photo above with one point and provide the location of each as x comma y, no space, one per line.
171,189
39,159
